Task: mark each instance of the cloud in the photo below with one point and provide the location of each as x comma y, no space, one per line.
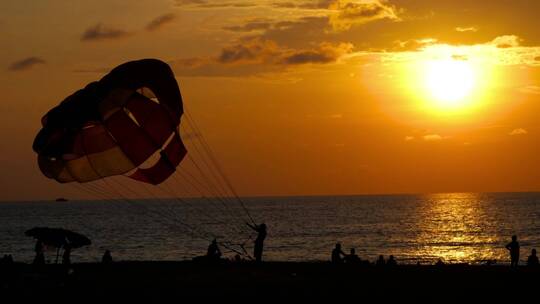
101,32
408,138
160,21
255,25
251,51
432,137
206,4
354,12
466,29
25,64
506,41
256,56
325,53
518,131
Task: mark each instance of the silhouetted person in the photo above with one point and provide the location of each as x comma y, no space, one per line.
213,252
352,258
337,253
391,261
380,261
532,260
513,247
66,257
40,255
107,257
259,241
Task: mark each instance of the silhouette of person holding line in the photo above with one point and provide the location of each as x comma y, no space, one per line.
513,247
259,241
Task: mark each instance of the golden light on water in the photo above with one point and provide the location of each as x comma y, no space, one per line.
457,221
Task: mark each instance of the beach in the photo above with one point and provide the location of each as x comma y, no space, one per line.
250,282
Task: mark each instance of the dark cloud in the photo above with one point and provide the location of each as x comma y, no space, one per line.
160,21
255,56
537,58
25,64
101,32
350,13
310,4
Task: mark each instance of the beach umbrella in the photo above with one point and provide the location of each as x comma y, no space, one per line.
58,237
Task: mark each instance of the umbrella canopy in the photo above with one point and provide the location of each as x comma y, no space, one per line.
58,237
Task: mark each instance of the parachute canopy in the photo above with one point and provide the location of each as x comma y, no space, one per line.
115,125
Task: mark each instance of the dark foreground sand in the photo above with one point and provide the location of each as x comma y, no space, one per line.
268,282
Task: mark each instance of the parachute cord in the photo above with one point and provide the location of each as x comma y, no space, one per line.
173,194
219,187
209,151
232,215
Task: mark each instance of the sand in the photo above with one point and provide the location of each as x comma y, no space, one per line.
267,282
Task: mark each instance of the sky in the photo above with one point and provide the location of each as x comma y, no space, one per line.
299,97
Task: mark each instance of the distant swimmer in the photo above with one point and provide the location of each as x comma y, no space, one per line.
213,252
513,247
259,241
352,258
337,254
533,259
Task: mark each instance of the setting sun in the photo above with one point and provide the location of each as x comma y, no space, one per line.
449,82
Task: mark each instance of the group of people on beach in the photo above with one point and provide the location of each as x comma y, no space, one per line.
40,248
340,257
514,249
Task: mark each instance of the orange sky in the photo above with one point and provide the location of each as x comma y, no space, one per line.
298,97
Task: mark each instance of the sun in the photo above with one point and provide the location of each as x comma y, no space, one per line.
449,82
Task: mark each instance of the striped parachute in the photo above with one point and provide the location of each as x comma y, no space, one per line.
128,124
113,126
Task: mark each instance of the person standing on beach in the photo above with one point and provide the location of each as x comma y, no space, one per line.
513,247
259,241
337,253
66,257
40,256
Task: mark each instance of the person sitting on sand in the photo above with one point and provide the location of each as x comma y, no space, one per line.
532,260
352,258
513,247
440,263
391,261
380,261
259,241
40,256
107,257
66,257
213,252
337,253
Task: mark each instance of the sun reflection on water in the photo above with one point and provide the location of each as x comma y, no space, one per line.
453,229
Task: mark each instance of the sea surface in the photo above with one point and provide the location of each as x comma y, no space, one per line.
463,227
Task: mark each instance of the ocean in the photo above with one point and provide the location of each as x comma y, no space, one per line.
457,227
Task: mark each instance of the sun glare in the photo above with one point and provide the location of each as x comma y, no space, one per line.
449,82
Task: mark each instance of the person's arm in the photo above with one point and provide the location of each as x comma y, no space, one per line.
508,246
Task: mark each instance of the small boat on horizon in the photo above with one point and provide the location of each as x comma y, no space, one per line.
61,199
